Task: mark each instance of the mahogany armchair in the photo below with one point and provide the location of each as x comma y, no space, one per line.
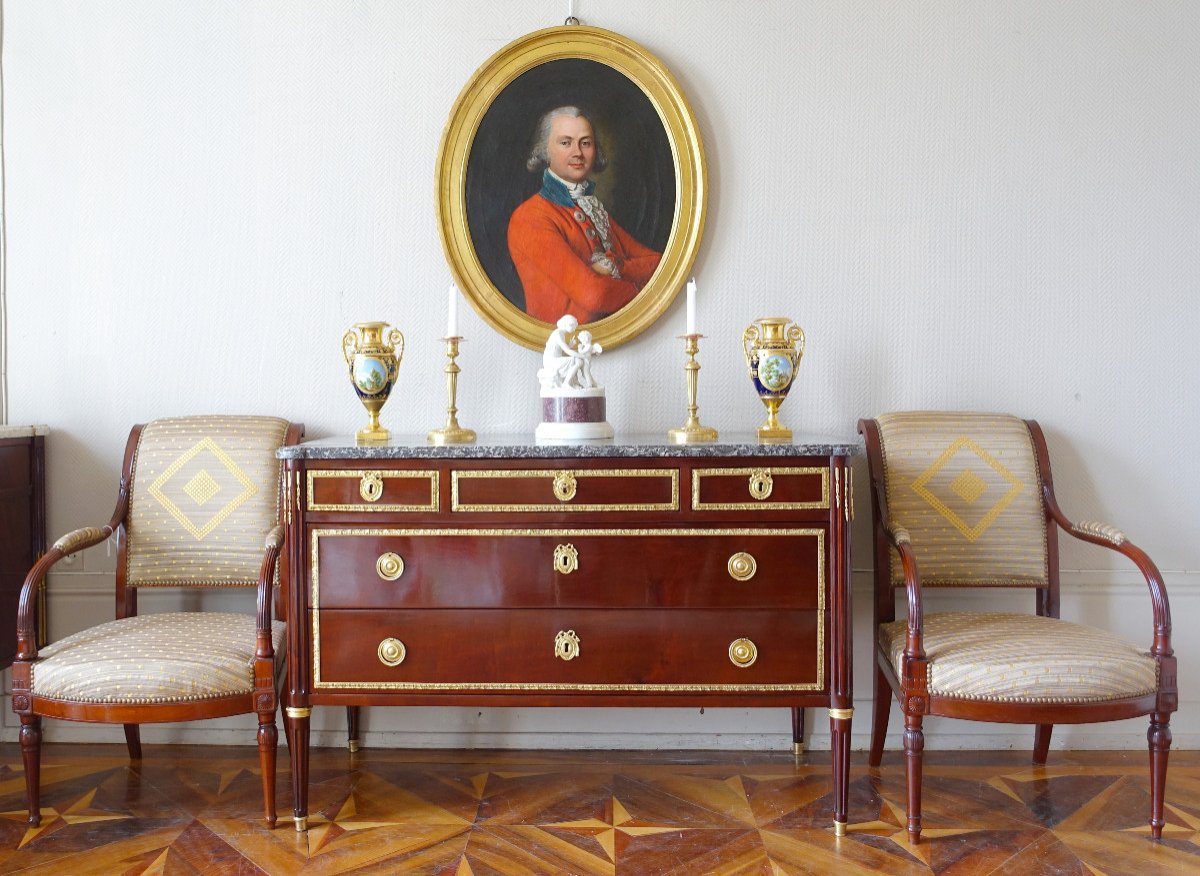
200,506
966,500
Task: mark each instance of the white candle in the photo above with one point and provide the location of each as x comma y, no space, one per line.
691,307
452,312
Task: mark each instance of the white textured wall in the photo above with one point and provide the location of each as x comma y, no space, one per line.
990,205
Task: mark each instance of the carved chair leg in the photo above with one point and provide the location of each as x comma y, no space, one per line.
797,730
133,741
352,728
1041,743
31,753
268,742
1159,737
879,716
914,745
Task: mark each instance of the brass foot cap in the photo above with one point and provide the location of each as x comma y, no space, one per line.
372,436
839,828
301,823
767,435
797,748
353,746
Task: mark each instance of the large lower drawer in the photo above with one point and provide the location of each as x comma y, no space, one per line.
780,568
617,651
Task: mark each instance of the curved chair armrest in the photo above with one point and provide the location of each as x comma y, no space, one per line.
70,543
272,544
1090,529
1114,539
81,538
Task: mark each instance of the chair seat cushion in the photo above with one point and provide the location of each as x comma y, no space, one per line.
154,658
1024,658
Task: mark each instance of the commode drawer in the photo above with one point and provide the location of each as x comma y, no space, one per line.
564,490
570,650
781,568
373,490
760,488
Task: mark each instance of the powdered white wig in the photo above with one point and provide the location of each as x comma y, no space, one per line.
538,159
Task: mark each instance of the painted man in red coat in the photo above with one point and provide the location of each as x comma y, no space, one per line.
571,256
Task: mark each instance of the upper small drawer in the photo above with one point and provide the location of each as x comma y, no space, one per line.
373,490
776,488
556,490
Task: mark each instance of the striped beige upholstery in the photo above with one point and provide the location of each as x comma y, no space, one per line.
1024,658
154,658
966,488
205,493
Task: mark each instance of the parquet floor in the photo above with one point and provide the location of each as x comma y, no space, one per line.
452,813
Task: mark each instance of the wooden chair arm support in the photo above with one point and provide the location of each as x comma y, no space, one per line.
899,538
1114,539
266,584
70,543
914,648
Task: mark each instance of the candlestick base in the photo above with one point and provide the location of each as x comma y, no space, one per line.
451,435
692,435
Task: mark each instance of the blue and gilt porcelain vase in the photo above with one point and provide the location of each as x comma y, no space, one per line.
773,346
373,353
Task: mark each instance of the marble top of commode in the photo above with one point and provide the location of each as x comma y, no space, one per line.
523,447
23,431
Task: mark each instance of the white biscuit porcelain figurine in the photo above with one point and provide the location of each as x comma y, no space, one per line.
573,403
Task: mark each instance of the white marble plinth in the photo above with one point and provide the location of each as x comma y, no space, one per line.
572,433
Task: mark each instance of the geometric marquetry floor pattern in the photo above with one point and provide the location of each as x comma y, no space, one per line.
454,813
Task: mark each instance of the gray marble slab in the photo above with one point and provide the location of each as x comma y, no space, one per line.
23,431
523,447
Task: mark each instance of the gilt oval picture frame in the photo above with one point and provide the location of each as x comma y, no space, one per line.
571,179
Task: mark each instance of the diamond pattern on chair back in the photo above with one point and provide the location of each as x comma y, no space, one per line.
967,489
204,493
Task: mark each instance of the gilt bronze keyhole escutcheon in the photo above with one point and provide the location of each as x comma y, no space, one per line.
566,559
761,484
564,486
371,486
566,645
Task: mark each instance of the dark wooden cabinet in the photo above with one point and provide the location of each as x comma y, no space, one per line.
605,575
22,522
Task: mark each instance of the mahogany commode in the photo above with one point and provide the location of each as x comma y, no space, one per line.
635,573
22,523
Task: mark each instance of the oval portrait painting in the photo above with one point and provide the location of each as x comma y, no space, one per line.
571,182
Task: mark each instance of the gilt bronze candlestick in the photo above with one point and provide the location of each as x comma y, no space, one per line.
452,433
692,432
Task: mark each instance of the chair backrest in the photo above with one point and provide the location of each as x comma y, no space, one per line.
967,488
203,494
